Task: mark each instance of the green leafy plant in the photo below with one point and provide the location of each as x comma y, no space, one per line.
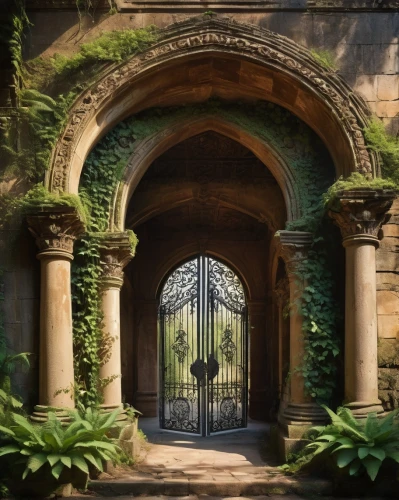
359,447
57,448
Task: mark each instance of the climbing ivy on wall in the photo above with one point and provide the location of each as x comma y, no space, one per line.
313,173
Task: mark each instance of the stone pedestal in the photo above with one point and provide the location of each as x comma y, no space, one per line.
55,230
360,215
115,253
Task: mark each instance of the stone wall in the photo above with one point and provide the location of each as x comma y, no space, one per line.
364,40
388,311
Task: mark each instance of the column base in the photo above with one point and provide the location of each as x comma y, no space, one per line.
110,408
360,409
303,414
40,414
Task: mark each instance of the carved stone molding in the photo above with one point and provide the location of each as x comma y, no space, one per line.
115,253
55,229
199,35
294,246
362,212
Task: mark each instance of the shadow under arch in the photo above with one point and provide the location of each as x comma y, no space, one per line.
154,146
198,59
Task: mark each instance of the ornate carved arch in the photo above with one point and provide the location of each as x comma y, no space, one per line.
116,94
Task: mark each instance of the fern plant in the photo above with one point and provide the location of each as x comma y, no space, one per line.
58,449
361,447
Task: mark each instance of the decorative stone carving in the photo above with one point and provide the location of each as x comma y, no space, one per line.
262,46
115,253
55,229
362,211
294,246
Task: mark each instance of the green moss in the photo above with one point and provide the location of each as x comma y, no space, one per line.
325,58
356,181
386,145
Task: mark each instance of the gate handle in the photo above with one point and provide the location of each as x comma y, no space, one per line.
212,367
198,369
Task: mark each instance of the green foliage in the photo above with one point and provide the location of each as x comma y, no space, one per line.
321,318
28,138
386,145
355,181
87,320
325,58
37,198
356,446
81,443
111,46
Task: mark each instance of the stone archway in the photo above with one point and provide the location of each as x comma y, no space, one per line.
198,59
192,62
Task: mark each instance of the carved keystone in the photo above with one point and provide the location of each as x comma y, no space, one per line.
362,211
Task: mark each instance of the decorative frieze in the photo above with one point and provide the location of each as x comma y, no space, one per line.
362,212
55,229
190,36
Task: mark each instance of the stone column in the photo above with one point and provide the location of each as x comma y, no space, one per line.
260,392
55,230
300,408
360,215
115,253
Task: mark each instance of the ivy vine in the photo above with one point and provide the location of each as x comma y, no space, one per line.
313,172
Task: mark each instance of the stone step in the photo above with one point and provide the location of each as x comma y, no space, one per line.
223,487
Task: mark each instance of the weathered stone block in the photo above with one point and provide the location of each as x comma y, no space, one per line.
388,326
366,85
388,353
387,302
389,399
387,109
387,259
388,378
387,281
387,87
391,231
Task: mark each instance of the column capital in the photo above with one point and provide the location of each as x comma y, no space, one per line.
55,229
115,253
294,247
362,212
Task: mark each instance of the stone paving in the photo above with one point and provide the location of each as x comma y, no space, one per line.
231,464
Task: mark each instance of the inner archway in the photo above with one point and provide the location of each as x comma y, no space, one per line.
206,195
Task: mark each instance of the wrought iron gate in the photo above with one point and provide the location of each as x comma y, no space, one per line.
203,349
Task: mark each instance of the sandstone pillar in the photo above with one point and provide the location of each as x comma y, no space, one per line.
360,215
55,230
300,408
115,253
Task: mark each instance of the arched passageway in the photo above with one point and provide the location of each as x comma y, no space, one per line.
206,195
247,133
